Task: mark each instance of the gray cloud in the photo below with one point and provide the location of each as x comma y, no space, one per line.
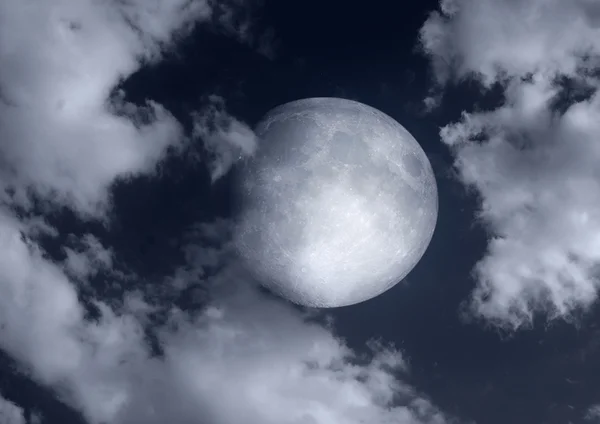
225,138
10,413
89,259
533,159
593,413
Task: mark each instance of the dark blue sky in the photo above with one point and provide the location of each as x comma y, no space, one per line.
366,52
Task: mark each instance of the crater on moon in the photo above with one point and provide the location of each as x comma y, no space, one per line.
413,165
338,204
347,148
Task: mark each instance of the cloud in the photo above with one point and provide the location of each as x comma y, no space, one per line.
532,160
490,40
593,413
66,135
264,357
225,138
236,17
43,327
10,413
89,259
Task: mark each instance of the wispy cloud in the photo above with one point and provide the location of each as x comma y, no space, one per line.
593,413
225,138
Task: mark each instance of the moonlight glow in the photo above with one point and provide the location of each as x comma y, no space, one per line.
338,204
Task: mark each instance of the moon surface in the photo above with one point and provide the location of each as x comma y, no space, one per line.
338,204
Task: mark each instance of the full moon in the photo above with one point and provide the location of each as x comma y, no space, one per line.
338,204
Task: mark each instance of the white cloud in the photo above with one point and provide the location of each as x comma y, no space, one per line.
534,167
60,133
10,413
43,328
491,38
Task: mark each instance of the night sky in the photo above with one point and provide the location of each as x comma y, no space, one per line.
236,65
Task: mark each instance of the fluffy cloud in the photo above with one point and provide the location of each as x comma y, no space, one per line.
65,137
65,133
532,159
492,40
43,327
